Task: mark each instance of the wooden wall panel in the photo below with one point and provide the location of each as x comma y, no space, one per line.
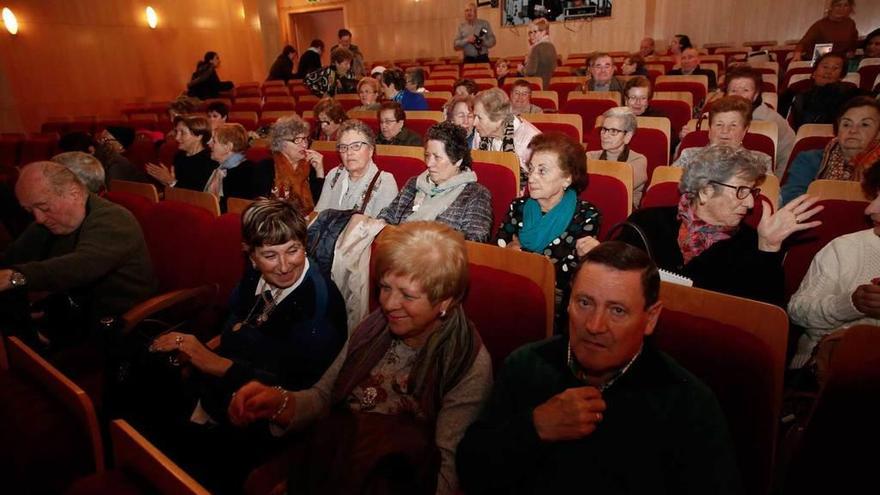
89,57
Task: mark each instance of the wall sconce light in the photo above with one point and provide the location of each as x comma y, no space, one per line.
10,21
152,18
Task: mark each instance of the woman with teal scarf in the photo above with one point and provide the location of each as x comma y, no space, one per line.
552,220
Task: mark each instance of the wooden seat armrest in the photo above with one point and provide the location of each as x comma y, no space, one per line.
197,298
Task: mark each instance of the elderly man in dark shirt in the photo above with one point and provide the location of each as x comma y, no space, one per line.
81,247
600,410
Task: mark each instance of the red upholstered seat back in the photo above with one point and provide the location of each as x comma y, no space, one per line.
257,154
650,142
434,104
420,126
138,205
177,237
143,151
562,127
224,259
167,151
348,104
588,110
37,147
838,218
9,148
679,113
401,167
737,366
694,88
544,103
609,196
331,159
662,194
502,184
562,89
521,319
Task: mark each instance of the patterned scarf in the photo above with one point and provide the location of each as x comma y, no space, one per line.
441,363
835,166
694,234
506,140
293,180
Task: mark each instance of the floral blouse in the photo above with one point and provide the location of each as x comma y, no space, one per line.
386,390
562,250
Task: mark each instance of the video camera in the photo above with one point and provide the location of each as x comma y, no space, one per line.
478,38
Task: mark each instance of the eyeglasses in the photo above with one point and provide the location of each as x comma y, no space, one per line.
637,98
462,115
388,121
742,192
355,146
300,140
611,131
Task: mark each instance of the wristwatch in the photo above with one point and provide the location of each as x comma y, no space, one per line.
17,279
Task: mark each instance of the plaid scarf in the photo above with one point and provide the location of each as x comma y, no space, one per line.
694,234
506,139
835,166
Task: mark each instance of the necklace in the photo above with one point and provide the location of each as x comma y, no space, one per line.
268,300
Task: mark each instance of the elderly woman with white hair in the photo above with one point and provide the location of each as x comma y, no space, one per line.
498,129
618,127
294,170
705,239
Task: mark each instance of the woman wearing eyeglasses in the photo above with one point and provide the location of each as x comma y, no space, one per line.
618,127
358,183
329,113
541,59
294,170
392,126
705,239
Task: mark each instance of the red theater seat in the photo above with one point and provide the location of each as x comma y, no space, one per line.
403,162
502,182
176,235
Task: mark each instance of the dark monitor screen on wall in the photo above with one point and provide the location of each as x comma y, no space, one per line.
519,12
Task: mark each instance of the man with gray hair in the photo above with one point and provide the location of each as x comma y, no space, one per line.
474,36
86,167
83,250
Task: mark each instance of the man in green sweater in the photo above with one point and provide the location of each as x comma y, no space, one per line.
601,410
82,249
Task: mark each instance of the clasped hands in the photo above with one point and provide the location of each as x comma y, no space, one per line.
569,415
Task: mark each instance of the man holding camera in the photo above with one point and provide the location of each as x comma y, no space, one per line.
474,37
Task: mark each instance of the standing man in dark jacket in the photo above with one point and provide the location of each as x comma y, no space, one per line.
282,68
310,59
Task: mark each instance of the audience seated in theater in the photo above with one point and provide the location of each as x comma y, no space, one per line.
357,61
502,70
847,156
336,78
394,88
329,114
357,184
282,67
498,129
552,221
84,253
192,164
205,83
217,114
465,87
601,77
460,111
294,170
820,102
689,63
447,191
414,376
646,48
541,57
841,288
729,119
521,98
601,407
634,65
415,80
236,177
705,239
745,82
107,148
286,325
617,130
392,126
637,95
86,167
310,60
368,93
836,27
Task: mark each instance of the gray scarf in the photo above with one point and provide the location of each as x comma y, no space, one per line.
433,199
